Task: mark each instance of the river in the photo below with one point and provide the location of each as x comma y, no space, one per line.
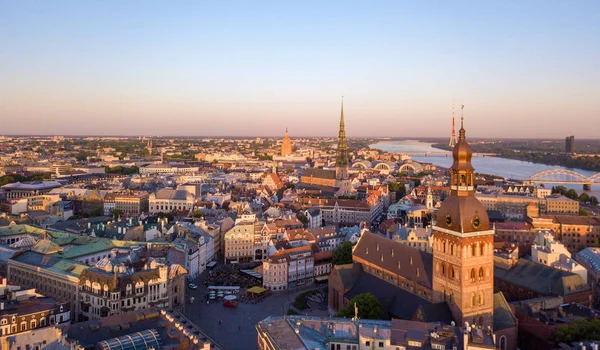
502,167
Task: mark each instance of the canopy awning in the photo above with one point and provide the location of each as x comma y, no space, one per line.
256,290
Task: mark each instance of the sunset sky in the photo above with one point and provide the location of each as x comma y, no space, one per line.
253,68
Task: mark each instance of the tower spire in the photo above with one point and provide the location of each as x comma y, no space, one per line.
342,116
461,132
453,135
341,161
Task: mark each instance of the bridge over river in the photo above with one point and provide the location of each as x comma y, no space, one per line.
565,176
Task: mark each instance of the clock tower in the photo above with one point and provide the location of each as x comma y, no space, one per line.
463,245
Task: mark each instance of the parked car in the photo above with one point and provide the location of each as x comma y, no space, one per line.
230,303
192,286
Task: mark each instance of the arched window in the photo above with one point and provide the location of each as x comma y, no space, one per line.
480,298
503,342
444,246
474,250
453,273
443,269
463,180
481,249
473,300
451,249
472,275
481,274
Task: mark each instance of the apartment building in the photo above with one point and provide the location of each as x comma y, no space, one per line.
131,204
239,243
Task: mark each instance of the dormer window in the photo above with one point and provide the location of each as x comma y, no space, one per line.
399,265
367,251
392,253
410,260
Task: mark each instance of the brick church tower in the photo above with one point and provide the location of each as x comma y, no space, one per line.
463,251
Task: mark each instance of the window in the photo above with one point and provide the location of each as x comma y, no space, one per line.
472,275
381,344
503,342
368,343
481,274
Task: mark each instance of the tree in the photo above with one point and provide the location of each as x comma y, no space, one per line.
343,254
583,212
369,308
559,189
398,188
115,212
97,212
572,194
303,219
81,157
594,200
584,197
197,214
581,330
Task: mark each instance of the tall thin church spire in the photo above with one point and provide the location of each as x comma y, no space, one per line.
461,132
453,135
341,161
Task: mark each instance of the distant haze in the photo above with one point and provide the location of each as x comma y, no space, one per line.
524,69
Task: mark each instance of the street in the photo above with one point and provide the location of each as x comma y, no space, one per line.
236,331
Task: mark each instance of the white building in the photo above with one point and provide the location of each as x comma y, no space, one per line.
218,198
168,200
206,251
170,169
314,216
545,250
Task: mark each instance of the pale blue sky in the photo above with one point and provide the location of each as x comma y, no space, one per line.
522,68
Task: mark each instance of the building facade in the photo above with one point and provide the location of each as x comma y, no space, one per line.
107,289
164,201
239,243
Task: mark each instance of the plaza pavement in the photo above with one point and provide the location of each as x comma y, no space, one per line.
237,330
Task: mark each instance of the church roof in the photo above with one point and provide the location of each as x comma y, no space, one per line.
396,301
503,315
320,173
395,257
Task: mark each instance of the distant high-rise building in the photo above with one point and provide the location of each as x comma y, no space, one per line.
286,146
570,144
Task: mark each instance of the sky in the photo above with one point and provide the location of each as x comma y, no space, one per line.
522,69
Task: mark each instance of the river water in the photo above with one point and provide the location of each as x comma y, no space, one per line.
502,167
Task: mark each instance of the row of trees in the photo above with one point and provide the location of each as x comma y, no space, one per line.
7,179
583,197
121,170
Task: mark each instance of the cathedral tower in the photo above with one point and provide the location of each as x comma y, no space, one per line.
286,145
463,251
